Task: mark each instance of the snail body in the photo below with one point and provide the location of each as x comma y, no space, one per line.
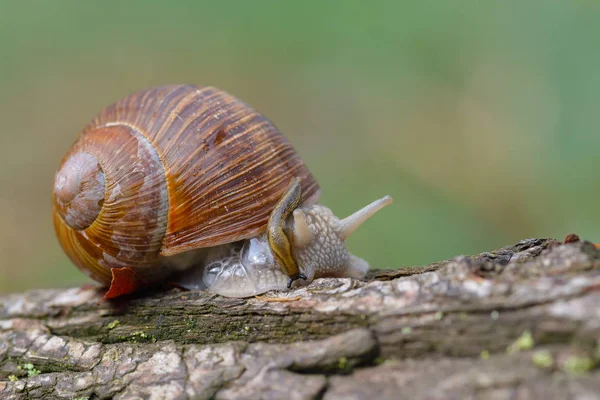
189,183
252,267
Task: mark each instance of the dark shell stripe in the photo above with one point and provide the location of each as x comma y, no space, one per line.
227,165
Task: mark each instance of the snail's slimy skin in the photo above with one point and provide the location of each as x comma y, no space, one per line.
321,248
240,269
249,268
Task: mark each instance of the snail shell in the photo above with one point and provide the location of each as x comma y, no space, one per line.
167,171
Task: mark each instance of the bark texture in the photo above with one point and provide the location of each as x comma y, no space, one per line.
522,322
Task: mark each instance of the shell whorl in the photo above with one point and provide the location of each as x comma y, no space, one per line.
79,190
132,221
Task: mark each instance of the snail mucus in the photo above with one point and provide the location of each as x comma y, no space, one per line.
189,184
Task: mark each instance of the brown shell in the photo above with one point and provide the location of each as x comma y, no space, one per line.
186,167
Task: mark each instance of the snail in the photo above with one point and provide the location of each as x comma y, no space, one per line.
189,184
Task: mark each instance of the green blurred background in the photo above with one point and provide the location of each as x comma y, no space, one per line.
479,118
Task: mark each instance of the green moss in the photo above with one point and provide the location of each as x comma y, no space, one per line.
342,363
406,330
524,342
438,315
191,323
30,369
13,378
137,337
578,365
542,359
113,325
485,355
186,328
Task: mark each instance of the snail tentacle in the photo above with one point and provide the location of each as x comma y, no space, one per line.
349,224
322,236
280,242
301,231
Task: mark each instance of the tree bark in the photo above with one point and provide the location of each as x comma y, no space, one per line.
520,322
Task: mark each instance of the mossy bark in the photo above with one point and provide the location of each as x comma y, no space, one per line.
518,322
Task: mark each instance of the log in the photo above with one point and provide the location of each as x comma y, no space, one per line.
521,322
